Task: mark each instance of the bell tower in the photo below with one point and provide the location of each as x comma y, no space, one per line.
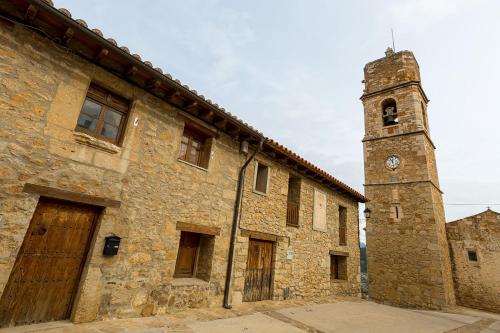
408,256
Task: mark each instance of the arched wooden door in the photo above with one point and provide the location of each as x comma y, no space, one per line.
49,264
258,275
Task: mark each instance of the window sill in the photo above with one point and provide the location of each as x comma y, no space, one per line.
185,282
90,141
260,193
338,281
193,165
390,126
293,225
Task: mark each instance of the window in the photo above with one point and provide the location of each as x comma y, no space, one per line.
261,181
424,115
342,226
390,112
195,146
194,258
103,115
338,267
293,202
472,255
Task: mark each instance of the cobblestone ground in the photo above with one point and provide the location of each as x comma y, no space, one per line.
322,316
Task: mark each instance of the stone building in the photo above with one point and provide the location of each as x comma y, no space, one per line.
475,253
408,257
124,193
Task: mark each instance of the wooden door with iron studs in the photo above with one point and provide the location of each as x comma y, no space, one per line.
45,277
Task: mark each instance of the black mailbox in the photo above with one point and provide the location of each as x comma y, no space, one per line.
111,245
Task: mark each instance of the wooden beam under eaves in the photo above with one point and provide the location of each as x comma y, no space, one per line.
30,15
153,84
233,130
221,123
300,167
206,115
101,55
68,35
174,94
131,71
193,108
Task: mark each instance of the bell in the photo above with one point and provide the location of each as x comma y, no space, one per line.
390,115
390,120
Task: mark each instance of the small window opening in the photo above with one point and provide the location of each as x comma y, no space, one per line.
390,112
472,255
397,212
195,146
424,115
293,202
338,267
261,182
194,258
342,226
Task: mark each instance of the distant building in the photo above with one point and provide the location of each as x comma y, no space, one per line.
475,253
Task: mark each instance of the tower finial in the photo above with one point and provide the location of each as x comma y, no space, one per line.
389,52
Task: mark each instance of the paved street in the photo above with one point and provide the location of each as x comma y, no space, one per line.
291,317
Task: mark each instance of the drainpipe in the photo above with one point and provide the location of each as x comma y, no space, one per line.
236,222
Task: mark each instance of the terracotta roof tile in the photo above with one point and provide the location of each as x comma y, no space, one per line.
98,32
64,11
82,23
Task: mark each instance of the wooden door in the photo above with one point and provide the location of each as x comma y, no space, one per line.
186,256
258,272
48,267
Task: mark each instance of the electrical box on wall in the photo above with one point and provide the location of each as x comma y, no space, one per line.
111,245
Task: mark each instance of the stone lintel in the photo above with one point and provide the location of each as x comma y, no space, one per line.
395,87
201,125
339,253
197,228
261,235
56,193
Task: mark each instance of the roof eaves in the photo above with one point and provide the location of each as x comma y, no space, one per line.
148,67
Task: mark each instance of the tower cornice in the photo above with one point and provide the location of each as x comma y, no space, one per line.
396,87
406,183
424,132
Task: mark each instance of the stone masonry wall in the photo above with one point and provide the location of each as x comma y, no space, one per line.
42,90
308,273
477,284
404,257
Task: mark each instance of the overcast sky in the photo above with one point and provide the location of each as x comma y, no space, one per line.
293,70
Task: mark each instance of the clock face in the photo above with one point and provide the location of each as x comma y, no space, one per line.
392,162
